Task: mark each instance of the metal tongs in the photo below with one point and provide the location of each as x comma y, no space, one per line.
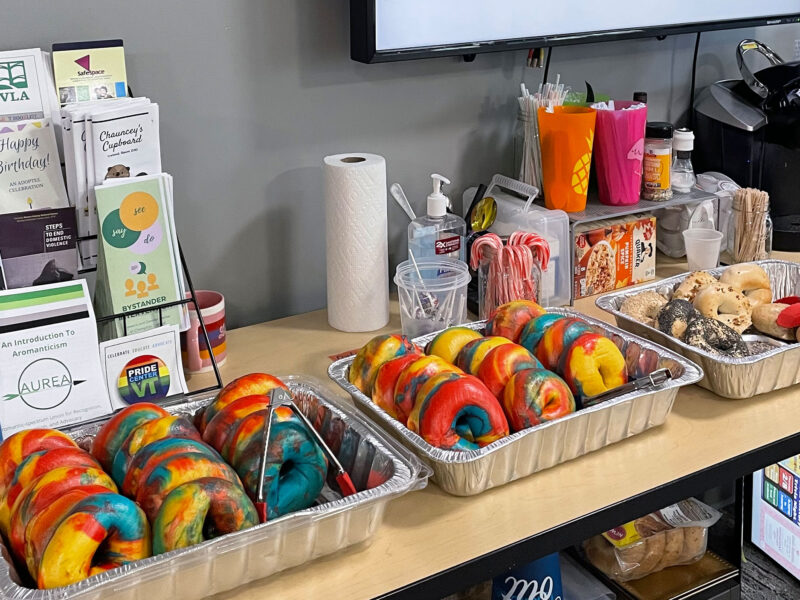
280,397
653,380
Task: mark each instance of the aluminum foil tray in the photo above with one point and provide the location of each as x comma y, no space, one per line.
520,454
380,468
728,377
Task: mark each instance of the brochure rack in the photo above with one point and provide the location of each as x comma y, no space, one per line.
192,299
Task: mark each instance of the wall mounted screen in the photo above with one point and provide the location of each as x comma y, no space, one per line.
401,29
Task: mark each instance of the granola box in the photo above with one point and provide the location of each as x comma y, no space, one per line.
614,254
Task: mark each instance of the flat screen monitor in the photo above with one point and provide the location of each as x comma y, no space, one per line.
385,30
775,518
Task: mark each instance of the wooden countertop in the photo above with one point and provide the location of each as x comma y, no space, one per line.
429,531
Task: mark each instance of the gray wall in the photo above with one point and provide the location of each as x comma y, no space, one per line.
254,93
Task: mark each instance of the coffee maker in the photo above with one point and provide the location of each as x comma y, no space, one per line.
749,129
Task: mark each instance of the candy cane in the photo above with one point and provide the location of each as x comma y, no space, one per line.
509,273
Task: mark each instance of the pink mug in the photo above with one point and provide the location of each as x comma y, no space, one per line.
196,357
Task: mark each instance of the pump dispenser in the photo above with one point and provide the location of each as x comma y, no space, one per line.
437,234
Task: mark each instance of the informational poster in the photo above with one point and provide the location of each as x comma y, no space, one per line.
51,374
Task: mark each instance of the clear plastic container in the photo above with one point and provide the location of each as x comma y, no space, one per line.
432,293
502,283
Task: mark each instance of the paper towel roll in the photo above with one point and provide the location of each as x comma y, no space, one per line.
356,241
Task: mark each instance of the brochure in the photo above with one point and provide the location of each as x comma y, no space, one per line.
137,265
51,375
144,367
90,71
39,247
26,88
30,170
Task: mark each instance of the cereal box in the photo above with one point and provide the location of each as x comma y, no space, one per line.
614,254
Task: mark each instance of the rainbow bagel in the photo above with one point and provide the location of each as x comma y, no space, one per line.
219,428
552,348
151,455
41,525
448,343
593,365
457,412
534,396
146,433
472,354
34,466
386,381
509,319
99,533
412,379
44,490
112,435
296,466
200,510
501,363
534,330
174,471
24,443
375,352
254,384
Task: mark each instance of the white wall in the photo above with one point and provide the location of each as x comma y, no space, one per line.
254,93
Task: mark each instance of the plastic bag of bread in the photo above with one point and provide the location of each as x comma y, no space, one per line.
675,535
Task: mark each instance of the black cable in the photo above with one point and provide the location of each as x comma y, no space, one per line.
547,65
694,81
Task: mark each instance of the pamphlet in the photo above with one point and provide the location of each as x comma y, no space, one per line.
39,247
90,71
137,265
51,375
145,367
30,170
27,91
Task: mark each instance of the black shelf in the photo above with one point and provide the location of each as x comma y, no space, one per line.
573,532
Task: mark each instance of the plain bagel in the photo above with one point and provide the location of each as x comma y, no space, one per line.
765,319
724,303
752,280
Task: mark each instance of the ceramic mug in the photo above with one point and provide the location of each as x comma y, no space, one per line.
196,358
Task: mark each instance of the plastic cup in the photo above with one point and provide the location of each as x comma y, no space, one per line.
432,294
702,248
566,138
618,151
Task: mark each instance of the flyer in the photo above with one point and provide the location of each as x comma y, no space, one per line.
51,374
144,367
90,71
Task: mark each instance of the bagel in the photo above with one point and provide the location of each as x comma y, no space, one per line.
715,338
643,307
100,533
693,283
675,316
201,509
726,304
765,319
457,412
752,280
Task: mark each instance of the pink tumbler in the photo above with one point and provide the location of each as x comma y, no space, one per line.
618,151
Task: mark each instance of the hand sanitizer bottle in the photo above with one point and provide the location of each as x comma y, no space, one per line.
437,234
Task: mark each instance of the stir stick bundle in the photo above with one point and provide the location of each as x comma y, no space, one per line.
548,96
751,209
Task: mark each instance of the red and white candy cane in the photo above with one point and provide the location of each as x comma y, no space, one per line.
509,274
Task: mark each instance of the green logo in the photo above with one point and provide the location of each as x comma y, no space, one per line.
44,384
13,75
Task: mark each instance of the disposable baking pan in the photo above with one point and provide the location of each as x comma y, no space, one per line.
380,469
728,377
466,473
